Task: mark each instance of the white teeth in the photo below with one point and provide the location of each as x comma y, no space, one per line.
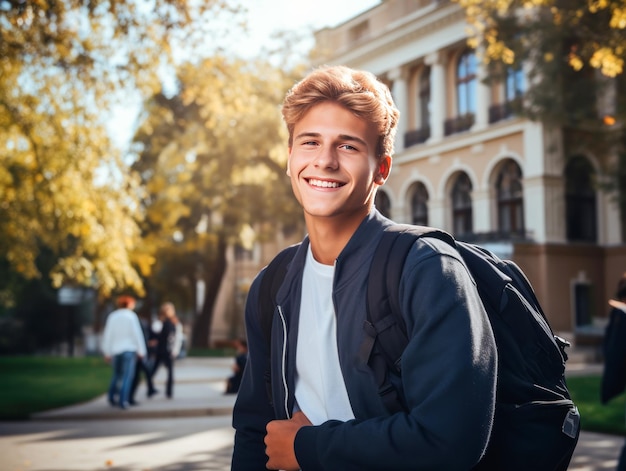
323,184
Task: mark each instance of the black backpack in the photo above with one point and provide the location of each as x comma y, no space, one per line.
536,424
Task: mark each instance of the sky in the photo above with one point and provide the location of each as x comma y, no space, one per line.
318,13
267,16
264,18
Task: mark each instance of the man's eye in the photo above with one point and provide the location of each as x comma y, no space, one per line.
348,147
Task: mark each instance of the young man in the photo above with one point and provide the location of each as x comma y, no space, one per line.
326,412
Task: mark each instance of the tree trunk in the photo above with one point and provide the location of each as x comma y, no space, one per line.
201,335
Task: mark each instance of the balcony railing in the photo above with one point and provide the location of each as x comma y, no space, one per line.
495,236
459,124
417,136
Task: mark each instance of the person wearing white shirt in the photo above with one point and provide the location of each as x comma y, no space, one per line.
122,343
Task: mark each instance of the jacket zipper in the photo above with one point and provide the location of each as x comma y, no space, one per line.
283,359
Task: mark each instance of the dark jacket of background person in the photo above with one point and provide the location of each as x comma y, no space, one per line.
144,365
449,382
168,344
614,374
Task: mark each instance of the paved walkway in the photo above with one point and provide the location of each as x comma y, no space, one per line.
198,390
199,402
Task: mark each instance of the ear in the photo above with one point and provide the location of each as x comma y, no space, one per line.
384,167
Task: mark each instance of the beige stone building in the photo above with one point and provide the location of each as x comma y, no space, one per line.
466,164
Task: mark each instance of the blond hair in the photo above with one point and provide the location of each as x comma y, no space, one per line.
360,92
167,310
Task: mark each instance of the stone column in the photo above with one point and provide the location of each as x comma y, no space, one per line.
482,96
400,97
437,95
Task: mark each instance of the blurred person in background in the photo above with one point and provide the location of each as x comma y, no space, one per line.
614,374
144,365
169,343
122,344
232,384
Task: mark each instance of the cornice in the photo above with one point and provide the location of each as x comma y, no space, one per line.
460,141
399,34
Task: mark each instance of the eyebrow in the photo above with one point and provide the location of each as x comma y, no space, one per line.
342,137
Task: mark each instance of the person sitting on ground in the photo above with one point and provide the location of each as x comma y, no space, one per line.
232,384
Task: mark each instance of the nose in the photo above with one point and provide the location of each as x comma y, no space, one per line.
327,158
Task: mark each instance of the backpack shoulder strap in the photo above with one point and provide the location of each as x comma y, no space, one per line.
388,261
270,283
385,326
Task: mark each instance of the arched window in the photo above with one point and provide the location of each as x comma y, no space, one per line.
461,196
510,198
466,83
383,203
580,200
419,204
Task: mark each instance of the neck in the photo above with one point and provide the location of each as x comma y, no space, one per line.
329,236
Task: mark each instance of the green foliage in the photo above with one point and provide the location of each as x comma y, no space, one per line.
72,211
36,384
64,185
573,54
212,162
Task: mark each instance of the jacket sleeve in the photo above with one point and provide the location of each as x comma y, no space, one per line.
252,409
448,378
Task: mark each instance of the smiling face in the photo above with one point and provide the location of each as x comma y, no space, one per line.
333,166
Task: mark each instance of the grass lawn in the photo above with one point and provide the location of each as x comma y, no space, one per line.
594,416
35,384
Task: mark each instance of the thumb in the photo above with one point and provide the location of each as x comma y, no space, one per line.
300,418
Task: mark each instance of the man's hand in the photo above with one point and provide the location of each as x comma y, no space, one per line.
279,442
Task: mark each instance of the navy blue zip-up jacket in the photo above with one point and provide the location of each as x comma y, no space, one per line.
448,367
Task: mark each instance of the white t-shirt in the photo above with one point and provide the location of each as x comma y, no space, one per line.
320,389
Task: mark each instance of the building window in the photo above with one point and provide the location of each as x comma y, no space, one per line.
461,196
466,83
383,203
419,204
515,85
514,88
580,200
424,98
510,199
421,133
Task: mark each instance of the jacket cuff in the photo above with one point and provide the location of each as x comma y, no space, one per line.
305,447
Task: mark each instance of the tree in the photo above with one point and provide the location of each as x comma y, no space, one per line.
64,185
573,52
212,159
577,32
